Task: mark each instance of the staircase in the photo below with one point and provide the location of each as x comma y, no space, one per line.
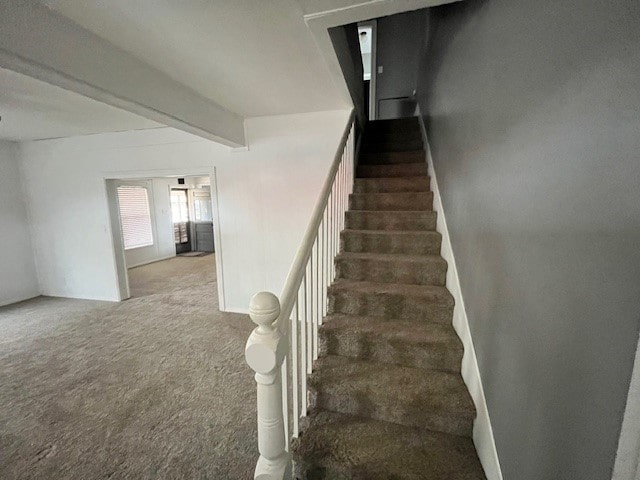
386,397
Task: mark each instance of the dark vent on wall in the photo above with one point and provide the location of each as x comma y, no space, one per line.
181,181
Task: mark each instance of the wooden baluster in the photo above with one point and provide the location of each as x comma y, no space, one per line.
323,264
295,368
309,316
316,294
303,347
265,352
319,275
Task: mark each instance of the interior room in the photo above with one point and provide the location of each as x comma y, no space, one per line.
137,354
129,381
164,223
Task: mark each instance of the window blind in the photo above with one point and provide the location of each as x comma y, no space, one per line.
135,216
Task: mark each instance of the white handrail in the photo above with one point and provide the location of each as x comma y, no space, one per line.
287,328
289,293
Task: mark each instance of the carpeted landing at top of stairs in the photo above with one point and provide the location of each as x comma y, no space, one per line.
387,398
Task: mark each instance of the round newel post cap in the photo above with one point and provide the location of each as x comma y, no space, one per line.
264,308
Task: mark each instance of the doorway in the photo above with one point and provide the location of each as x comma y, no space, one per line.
367,36
180,217
156,222
191,211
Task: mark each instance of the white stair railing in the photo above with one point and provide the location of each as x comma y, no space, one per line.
283,346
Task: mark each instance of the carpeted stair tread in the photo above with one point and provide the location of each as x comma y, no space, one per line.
394,170
392,145
391,241
392,184
432,399
337,446
391,201
392,268
426,303
409,130
391,158
436,294
372,140
415,344
391,220
394,124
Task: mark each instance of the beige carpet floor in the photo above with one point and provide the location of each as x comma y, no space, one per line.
155,387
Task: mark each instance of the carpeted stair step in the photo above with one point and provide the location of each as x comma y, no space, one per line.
427,303
391,184
390,136
392,268
393,146
390,158
393,125
390,220
413,344
337,446
398,170
391,201
430,399
390,241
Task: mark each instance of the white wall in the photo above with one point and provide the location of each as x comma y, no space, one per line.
265,196
18,279
161,222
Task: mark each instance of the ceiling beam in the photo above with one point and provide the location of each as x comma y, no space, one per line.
43,44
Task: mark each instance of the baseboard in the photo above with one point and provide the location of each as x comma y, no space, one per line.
18,299
482,431
148,262
627,463
232,309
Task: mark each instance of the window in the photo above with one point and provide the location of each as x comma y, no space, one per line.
179,206
180,214
135,216
202,207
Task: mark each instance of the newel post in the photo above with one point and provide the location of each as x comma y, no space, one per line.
265,352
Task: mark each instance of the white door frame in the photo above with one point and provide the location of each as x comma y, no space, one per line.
373,103
117,244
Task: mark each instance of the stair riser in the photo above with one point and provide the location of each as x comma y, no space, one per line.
391,185
436,356
394,125
409,130
308,470
391,201
392,146
409,243
413,415
391,158
361,220
398,307
394,271
411,136
400,170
